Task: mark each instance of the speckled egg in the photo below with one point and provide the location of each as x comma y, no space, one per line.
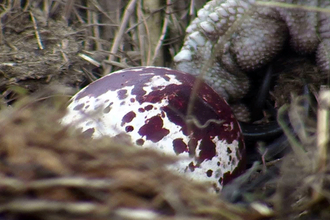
150,105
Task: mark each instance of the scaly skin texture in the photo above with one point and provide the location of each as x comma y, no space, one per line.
231,38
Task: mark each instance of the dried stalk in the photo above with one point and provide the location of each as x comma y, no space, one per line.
120,34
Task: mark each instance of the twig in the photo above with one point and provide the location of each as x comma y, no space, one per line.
100,9
164,31
96,31
191,8
118,64
153,20
78,182
119,36
148,39
323,128
46,9
65,44
32,206
87,44
191,119
142,33
294,143
89,59
36,31
68,9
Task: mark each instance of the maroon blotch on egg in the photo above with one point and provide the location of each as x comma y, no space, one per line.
150,105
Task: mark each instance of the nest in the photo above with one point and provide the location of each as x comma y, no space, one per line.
50,171
36,51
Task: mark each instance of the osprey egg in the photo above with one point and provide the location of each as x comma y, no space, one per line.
150,105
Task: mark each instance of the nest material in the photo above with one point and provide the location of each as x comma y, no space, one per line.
49,171
36,51
74,43
296,76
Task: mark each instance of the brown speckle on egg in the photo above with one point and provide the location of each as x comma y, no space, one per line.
179,146
209,173
153,129
139,142
89,132
79,107
128,117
